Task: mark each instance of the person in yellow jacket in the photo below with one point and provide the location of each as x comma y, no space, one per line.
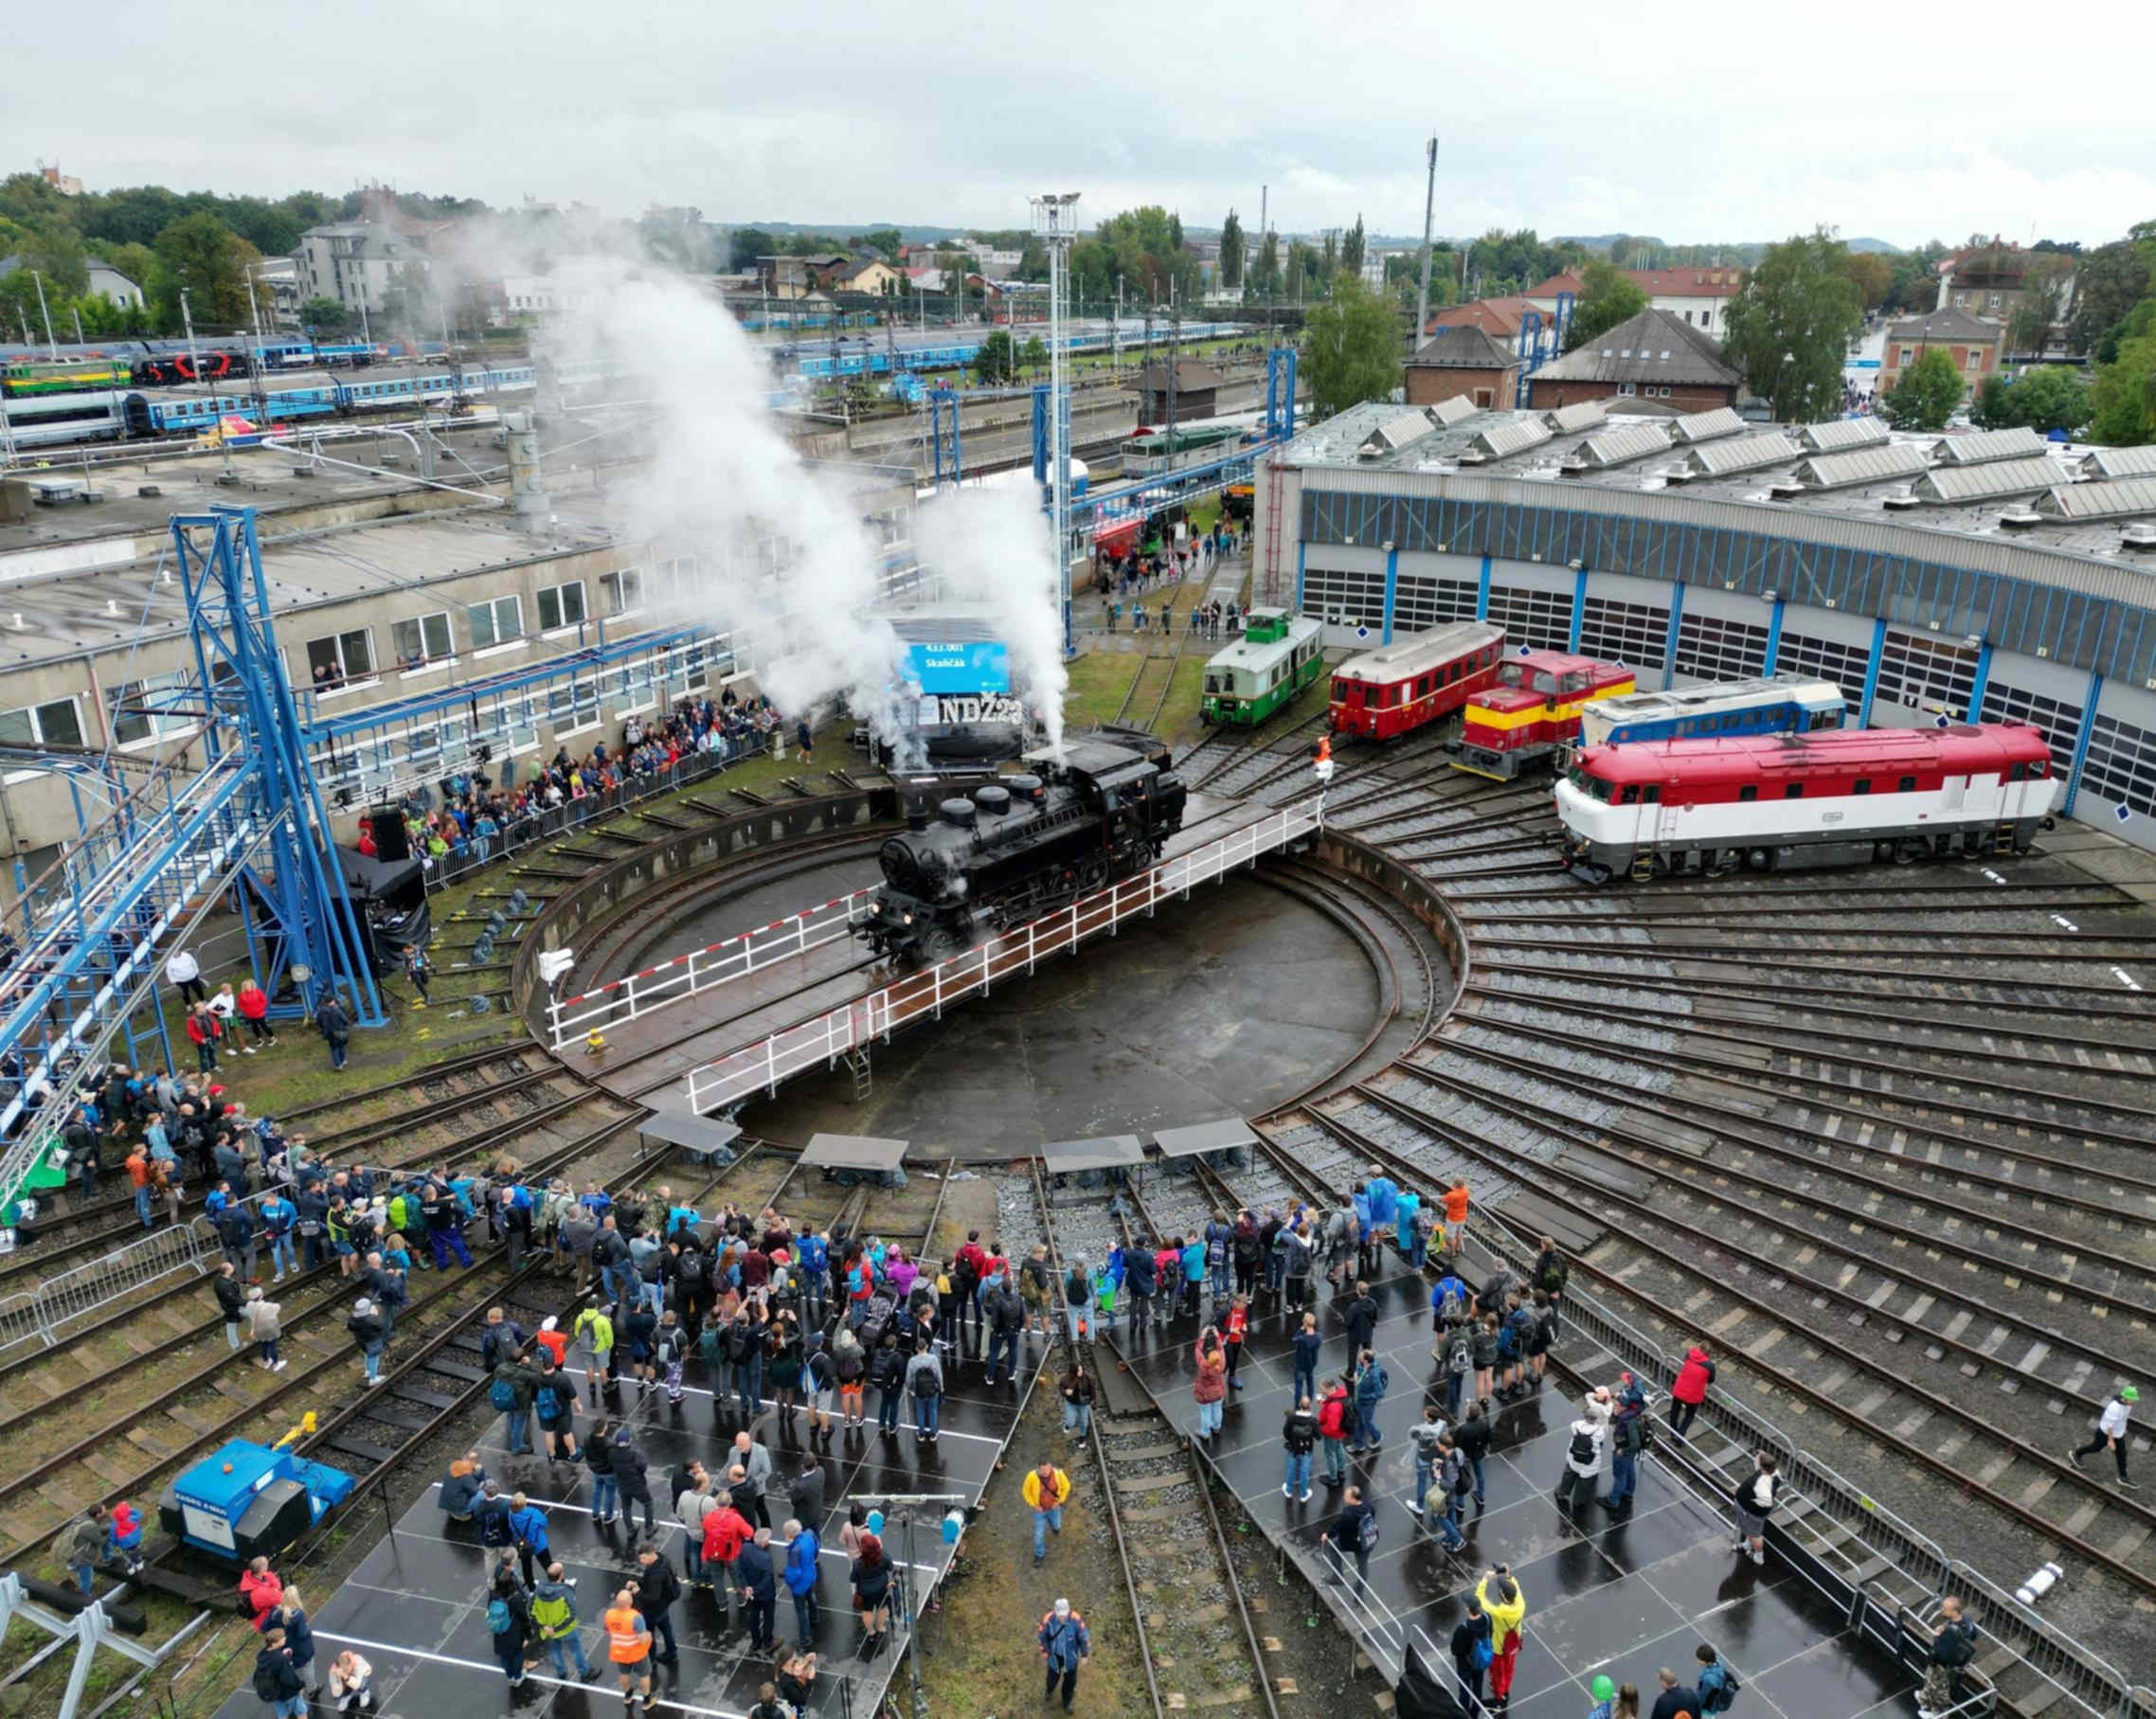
1045,1490
1501,1598
596,1332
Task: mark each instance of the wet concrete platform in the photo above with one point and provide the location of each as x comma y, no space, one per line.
653,1053
1620,1595
415,1608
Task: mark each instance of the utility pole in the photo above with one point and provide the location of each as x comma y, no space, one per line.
1430,209
194,363
1055,221
254,309
51,346
75,312
1174,332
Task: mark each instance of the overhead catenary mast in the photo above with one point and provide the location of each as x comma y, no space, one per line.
1056,221
1429,208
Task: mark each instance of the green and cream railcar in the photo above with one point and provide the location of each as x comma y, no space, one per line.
1278,656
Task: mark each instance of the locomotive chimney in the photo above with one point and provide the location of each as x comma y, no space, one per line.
1025,790
992,798
959,813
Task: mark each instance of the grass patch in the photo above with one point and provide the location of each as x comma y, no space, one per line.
1099,680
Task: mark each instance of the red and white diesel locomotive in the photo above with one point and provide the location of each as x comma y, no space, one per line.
1833,798
1414,681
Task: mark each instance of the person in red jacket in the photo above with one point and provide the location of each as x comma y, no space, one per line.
1690,1389
203,1030
1334,1421
1232,1331
726,1531
254,1010
261,1590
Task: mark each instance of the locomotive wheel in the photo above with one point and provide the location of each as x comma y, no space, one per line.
1905,852
1761,859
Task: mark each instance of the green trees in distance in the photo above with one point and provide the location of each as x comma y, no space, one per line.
2052,398
2108,283
1231,250
1927,394
325,316
1354,247
1872,276
204,257
1351,347
1790,324
2122,402
1606,297
995,362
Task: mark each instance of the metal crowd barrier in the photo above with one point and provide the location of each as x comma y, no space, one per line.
36,1316
827,1037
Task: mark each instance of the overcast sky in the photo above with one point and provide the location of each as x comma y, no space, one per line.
1694,123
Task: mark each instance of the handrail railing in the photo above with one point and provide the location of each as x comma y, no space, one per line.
682,976
827,1037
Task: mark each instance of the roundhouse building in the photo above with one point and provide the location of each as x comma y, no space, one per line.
1971,576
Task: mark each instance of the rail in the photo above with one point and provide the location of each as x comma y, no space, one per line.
36,1315
825,1038
686,975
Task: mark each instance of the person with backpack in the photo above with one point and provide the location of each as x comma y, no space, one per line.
1502,1598
1046,1490
1456,1368
263,1326
1688,1391
1335,1417
1141,1277
512,1392
1471,1655
335,1025
1306,1345
528,1527
1076,1389
1298,1437
656,1588
277,1680
802,1550
1452,1481
1210,1389
1755,1497
1549,1275
925,1384
1361,1318
1449,1297
1354,1534
1245,1253
554,1615
1077,1297
1631,1431
1064,1644
1715,1683
1677,1700
365,1328
1541,1338
1583,1462
554,1403
632,1474
1371,1382
1954,1645
1422,1445
509,1622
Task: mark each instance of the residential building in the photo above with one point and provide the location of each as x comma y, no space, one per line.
65,184
1463,361
356,263
869,273
1699,295
103,278
1972,341
1991,281
797,277
278,277
535,295
991,261
1651,356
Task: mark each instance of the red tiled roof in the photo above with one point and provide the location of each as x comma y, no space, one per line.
1499,317
1702,280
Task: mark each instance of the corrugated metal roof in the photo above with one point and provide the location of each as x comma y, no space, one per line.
1867,465
1840,434
1705,426
1745,453
1910,536
1652,347
1457,409
1982,482
1581,415
1502,440
2018,443
2120,499
1616,447
2109,463
1395,433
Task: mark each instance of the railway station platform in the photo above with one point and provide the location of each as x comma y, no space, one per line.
1621,1596
415,1608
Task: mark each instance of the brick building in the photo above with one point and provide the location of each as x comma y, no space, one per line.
1197,393
1972,341
1463,361
1652,356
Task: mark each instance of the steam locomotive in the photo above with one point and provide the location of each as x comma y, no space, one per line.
1099,810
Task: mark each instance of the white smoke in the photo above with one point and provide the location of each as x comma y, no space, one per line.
790,568
994,554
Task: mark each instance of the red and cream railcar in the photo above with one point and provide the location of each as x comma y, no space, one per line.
1415,680
1832,798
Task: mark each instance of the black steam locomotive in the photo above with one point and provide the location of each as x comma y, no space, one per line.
1099,811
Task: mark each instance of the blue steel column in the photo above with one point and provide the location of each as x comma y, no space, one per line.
1483,593
1040,431
1301,550
1872,673
1982,679
1774,636
1669,641
1579,608
1391,590
2081,744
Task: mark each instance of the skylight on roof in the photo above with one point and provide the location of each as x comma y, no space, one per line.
1605,352
1665,352
1627,352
